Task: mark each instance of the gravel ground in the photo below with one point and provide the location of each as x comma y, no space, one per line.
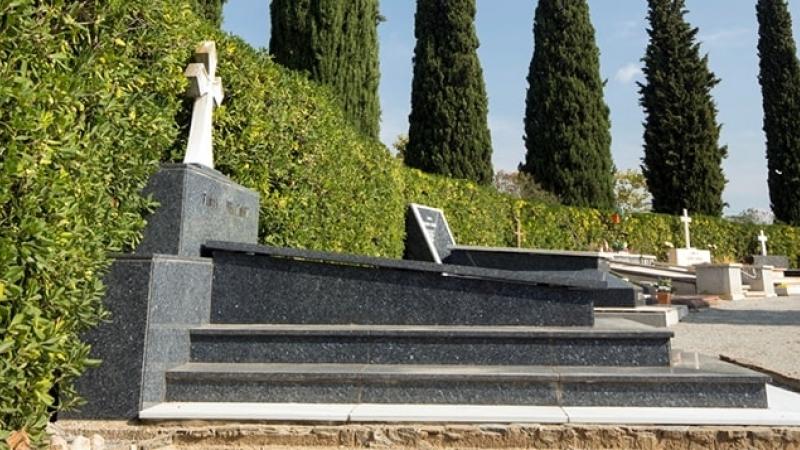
763,332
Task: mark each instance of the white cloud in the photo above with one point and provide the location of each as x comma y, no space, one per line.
627,73
722,37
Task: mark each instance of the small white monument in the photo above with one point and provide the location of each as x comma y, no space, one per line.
206,88
762,238
688,256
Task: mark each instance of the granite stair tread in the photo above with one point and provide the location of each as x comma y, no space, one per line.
612,342
604,327
706,370
690,382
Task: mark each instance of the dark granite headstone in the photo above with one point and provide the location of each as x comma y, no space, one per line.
161,290
428,236
780,262
198,205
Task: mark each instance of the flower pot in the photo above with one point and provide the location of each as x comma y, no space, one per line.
664,298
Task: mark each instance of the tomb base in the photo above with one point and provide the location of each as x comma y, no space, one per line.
688,257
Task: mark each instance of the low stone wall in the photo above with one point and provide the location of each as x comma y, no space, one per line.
253,435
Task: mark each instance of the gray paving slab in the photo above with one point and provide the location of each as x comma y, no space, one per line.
763,332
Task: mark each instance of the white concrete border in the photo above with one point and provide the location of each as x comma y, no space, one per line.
784,410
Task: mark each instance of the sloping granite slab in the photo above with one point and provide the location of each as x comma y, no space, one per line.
530,260
255,284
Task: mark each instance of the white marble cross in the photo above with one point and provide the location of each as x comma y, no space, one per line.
762,238
686,221
206,89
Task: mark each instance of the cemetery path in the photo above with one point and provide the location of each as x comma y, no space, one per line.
760,332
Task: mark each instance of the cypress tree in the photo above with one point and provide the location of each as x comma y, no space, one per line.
780,85
448,129
211,10
567,125
336,43
682,156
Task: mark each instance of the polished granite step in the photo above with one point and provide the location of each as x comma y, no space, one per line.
690,382
611,342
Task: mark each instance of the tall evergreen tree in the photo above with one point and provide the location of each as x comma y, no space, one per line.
780,85
448,128
211,10
567,125
682,156
336,42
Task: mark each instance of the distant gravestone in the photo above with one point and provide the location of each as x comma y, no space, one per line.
765,259
688,256
428,236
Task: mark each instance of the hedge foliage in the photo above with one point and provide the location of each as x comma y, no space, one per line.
481,216
92,99
86,106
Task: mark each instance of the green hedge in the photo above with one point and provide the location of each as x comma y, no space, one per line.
87,105
92,99
482,216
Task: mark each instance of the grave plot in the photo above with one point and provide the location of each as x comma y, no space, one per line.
203,316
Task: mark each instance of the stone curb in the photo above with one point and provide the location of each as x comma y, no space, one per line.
206,435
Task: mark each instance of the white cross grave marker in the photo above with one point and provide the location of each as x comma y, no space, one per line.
762,238
686,221
206,89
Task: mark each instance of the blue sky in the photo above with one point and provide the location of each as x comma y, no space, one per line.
728,31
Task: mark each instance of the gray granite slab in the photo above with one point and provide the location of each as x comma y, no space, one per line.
781,262
197,204
584,265
561,279
113,390
527,260
259,287
153,302
180,300
513,385
688,394
347,344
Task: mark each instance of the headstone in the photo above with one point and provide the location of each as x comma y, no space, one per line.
688,256
198,205
765,259
206,88
686,220
428,236
762,238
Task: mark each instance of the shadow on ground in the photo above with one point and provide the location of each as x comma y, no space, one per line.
745,317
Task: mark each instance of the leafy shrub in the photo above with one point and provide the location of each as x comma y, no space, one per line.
86,106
